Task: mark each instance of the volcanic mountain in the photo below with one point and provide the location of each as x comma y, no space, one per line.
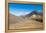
34,15
34,12
31,20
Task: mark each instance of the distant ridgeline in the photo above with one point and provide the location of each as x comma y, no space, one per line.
38,16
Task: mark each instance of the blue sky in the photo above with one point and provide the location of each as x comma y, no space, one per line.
24,9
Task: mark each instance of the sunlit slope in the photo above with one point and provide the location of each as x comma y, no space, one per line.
19,22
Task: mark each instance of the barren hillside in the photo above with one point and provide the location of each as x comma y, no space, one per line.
18,22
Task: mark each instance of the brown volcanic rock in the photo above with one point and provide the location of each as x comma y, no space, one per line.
19,22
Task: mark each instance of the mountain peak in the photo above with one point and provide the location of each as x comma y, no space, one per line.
34,12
